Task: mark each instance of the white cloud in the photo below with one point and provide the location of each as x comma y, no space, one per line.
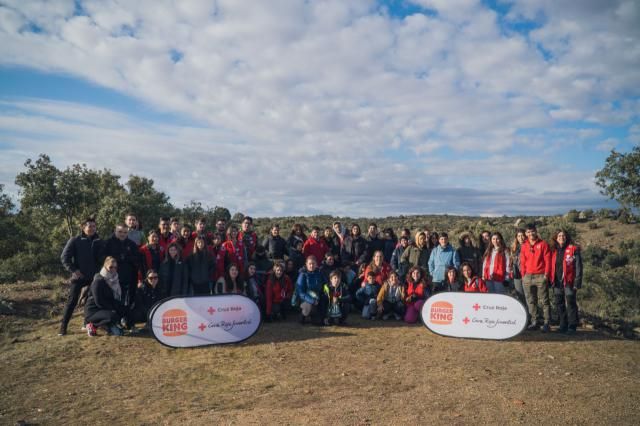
302,97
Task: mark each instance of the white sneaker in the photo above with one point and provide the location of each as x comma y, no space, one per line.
397,316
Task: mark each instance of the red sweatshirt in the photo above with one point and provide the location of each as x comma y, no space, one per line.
535,259
277,291
317,248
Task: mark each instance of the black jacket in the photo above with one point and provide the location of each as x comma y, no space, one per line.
354,250
82,253
101,298
276,247
146,297
373,245
174,279
201,268
473,256
128,256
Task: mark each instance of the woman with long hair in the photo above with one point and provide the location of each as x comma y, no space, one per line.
416,292
417,254
297,235
496,265
472,283
105,307
379,267
234,249
566,279
201,267
516,245
278,293
231,282
174,273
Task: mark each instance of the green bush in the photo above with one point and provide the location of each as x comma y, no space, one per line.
615,260
594,256
26,266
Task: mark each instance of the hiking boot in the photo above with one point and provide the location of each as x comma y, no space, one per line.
62,331
91,330
546,328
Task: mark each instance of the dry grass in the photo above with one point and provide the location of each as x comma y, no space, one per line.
367,373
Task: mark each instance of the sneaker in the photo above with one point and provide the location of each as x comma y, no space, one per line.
397,317
84,327
533,327
546,328
133,329
62,331
561,330
91,330
386,316
114,330
571,331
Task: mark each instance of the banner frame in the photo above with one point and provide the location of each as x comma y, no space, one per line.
524,327
154,308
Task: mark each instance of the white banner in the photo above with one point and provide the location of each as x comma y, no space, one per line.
183,322
474,315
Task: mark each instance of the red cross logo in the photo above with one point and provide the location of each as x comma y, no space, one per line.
466,320
476,307
211,310
202,326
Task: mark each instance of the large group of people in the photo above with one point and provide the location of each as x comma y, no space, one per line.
323,277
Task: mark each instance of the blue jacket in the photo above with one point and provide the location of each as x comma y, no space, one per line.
309,281
440,260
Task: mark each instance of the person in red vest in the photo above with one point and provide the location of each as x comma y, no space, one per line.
278,292
248,237
472,284
201,231
535,267
219,254
314,246
234,249
186,239
566,279
496,265
152,255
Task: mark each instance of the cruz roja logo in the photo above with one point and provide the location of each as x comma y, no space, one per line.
441,313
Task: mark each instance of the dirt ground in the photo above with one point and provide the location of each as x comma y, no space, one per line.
370,372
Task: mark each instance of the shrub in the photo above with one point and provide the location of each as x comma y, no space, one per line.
593,225
594,255
615,260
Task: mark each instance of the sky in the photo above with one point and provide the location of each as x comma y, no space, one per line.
350,108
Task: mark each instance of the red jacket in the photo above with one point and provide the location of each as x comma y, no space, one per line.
277,291
187,247
164,242
476,285
568,266
250,242
535,259
317,248
381,276
219,254
235,254
207,235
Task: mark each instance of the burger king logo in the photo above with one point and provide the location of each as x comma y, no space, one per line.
174,323
441,313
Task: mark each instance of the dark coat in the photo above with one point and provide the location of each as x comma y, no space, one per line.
201,268
473,256
354,250
101,298
276,247
373,245
146,297
82,253
128,257
174,279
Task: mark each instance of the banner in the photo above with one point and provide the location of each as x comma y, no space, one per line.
474,315
184,322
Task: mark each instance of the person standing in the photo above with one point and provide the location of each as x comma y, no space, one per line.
174,274
133,232
126,253
80,258
248,237
314,246
275,245
417,254
535,267
516,246
468,252
566,279
441,258
165,235
496,265
202,267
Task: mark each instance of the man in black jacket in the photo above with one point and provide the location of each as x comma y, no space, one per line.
127,255
373,242
80,258
275,245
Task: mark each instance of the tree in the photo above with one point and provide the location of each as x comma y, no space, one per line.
620,177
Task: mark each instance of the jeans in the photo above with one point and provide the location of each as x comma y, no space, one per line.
536,286
496,287
565,298
74,294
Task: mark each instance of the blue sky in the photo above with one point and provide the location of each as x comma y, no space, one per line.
360,108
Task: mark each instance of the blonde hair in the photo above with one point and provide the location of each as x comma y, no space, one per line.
108,261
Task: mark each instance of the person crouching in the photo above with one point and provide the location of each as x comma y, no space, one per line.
104,308
391,298
313,301
339,298
367,294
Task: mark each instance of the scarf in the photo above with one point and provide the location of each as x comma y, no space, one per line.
112,281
